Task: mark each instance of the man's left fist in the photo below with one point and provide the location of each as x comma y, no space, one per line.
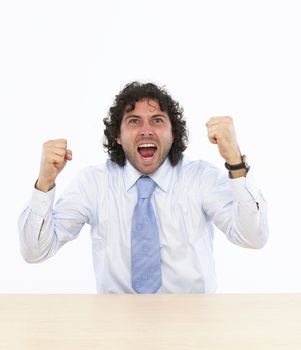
221,131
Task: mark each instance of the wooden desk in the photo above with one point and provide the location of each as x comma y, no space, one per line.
221,321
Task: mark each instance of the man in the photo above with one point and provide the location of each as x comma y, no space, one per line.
160,242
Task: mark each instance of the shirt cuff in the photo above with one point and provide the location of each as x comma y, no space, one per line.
245,189
41,202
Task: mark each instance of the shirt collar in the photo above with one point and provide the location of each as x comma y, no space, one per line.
161,176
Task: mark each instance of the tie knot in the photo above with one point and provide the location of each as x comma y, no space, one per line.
145,186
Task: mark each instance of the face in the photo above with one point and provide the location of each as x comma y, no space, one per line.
146,136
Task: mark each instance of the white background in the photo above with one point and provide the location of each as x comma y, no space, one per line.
63,61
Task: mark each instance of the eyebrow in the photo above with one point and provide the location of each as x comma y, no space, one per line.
153,116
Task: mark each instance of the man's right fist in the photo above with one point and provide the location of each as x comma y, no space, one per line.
54,158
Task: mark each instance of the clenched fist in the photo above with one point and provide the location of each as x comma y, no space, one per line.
54,158
221,131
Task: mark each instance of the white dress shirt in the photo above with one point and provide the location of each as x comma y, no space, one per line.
189,198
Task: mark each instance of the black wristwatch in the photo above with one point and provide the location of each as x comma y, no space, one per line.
242,165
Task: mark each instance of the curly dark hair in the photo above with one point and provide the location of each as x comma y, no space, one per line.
125,102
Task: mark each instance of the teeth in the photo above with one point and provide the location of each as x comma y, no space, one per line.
146,145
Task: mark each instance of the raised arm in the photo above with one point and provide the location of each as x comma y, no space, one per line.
43,231
244,218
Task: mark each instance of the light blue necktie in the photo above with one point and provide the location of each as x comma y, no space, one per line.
146,265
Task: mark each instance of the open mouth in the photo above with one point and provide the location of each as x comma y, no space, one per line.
147,150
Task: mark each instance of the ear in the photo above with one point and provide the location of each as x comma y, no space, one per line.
117,139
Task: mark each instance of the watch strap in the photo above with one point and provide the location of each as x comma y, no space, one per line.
242,165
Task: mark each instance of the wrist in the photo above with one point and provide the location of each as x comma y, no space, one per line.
238,169
44,186
235,158
234,174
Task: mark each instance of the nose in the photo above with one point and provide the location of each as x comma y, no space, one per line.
146,131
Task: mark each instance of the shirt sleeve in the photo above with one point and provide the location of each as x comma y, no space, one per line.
43,229
238,208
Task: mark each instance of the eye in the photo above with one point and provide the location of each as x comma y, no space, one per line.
158,120
134,121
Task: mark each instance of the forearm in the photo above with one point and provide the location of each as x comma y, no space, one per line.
38,240
44,229
238,209
248,225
